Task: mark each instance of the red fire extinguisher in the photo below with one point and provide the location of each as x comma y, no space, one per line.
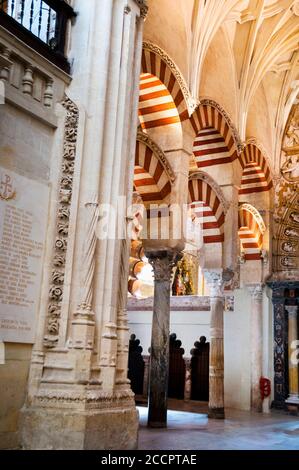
265,387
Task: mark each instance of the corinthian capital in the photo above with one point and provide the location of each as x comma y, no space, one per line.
292,310
143,7
215,283
256,291
163,263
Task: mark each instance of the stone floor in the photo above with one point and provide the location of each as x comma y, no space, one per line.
239,431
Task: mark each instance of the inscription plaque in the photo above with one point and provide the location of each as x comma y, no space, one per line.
23,223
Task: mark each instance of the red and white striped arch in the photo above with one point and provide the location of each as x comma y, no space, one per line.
161,100
256,175
214,143
207,206
150,179
251,231
156,105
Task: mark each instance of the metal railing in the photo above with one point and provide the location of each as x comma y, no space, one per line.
45,19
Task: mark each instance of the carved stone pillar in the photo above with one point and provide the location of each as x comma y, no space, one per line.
162,263
216,371
79,396
256,343
293,397
187,391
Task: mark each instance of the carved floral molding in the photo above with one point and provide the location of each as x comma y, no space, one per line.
62,223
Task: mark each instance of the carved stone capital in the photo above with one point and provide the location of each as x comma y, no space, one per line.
292,310
215,283
256,292
143,7
163,263
84,311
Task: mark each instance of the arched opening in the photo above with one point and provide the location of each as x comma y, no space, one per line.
251,231
214,142
210,148
150,180
152,185
207,213
256,176
168,74
156,106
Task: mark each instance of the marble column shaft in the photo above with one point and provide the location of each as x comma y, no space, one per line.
216,370
162,263
256,340
293,367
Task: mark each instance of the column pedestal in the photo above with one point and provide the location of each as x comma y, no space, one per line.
163,263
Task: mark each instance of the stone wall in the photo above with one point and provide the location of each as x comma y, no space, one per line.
13,382
28,139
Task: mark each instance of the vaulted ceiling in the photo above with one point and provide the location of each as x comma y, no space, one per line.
242,53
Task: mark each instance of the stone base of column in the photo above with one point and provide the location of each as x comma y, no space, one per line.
157,425
67,429
293,400
216,413
292,405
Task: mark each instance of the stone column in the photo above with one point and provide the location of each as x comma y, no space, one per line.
293,397
162,263
79,396
216,379
256,344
